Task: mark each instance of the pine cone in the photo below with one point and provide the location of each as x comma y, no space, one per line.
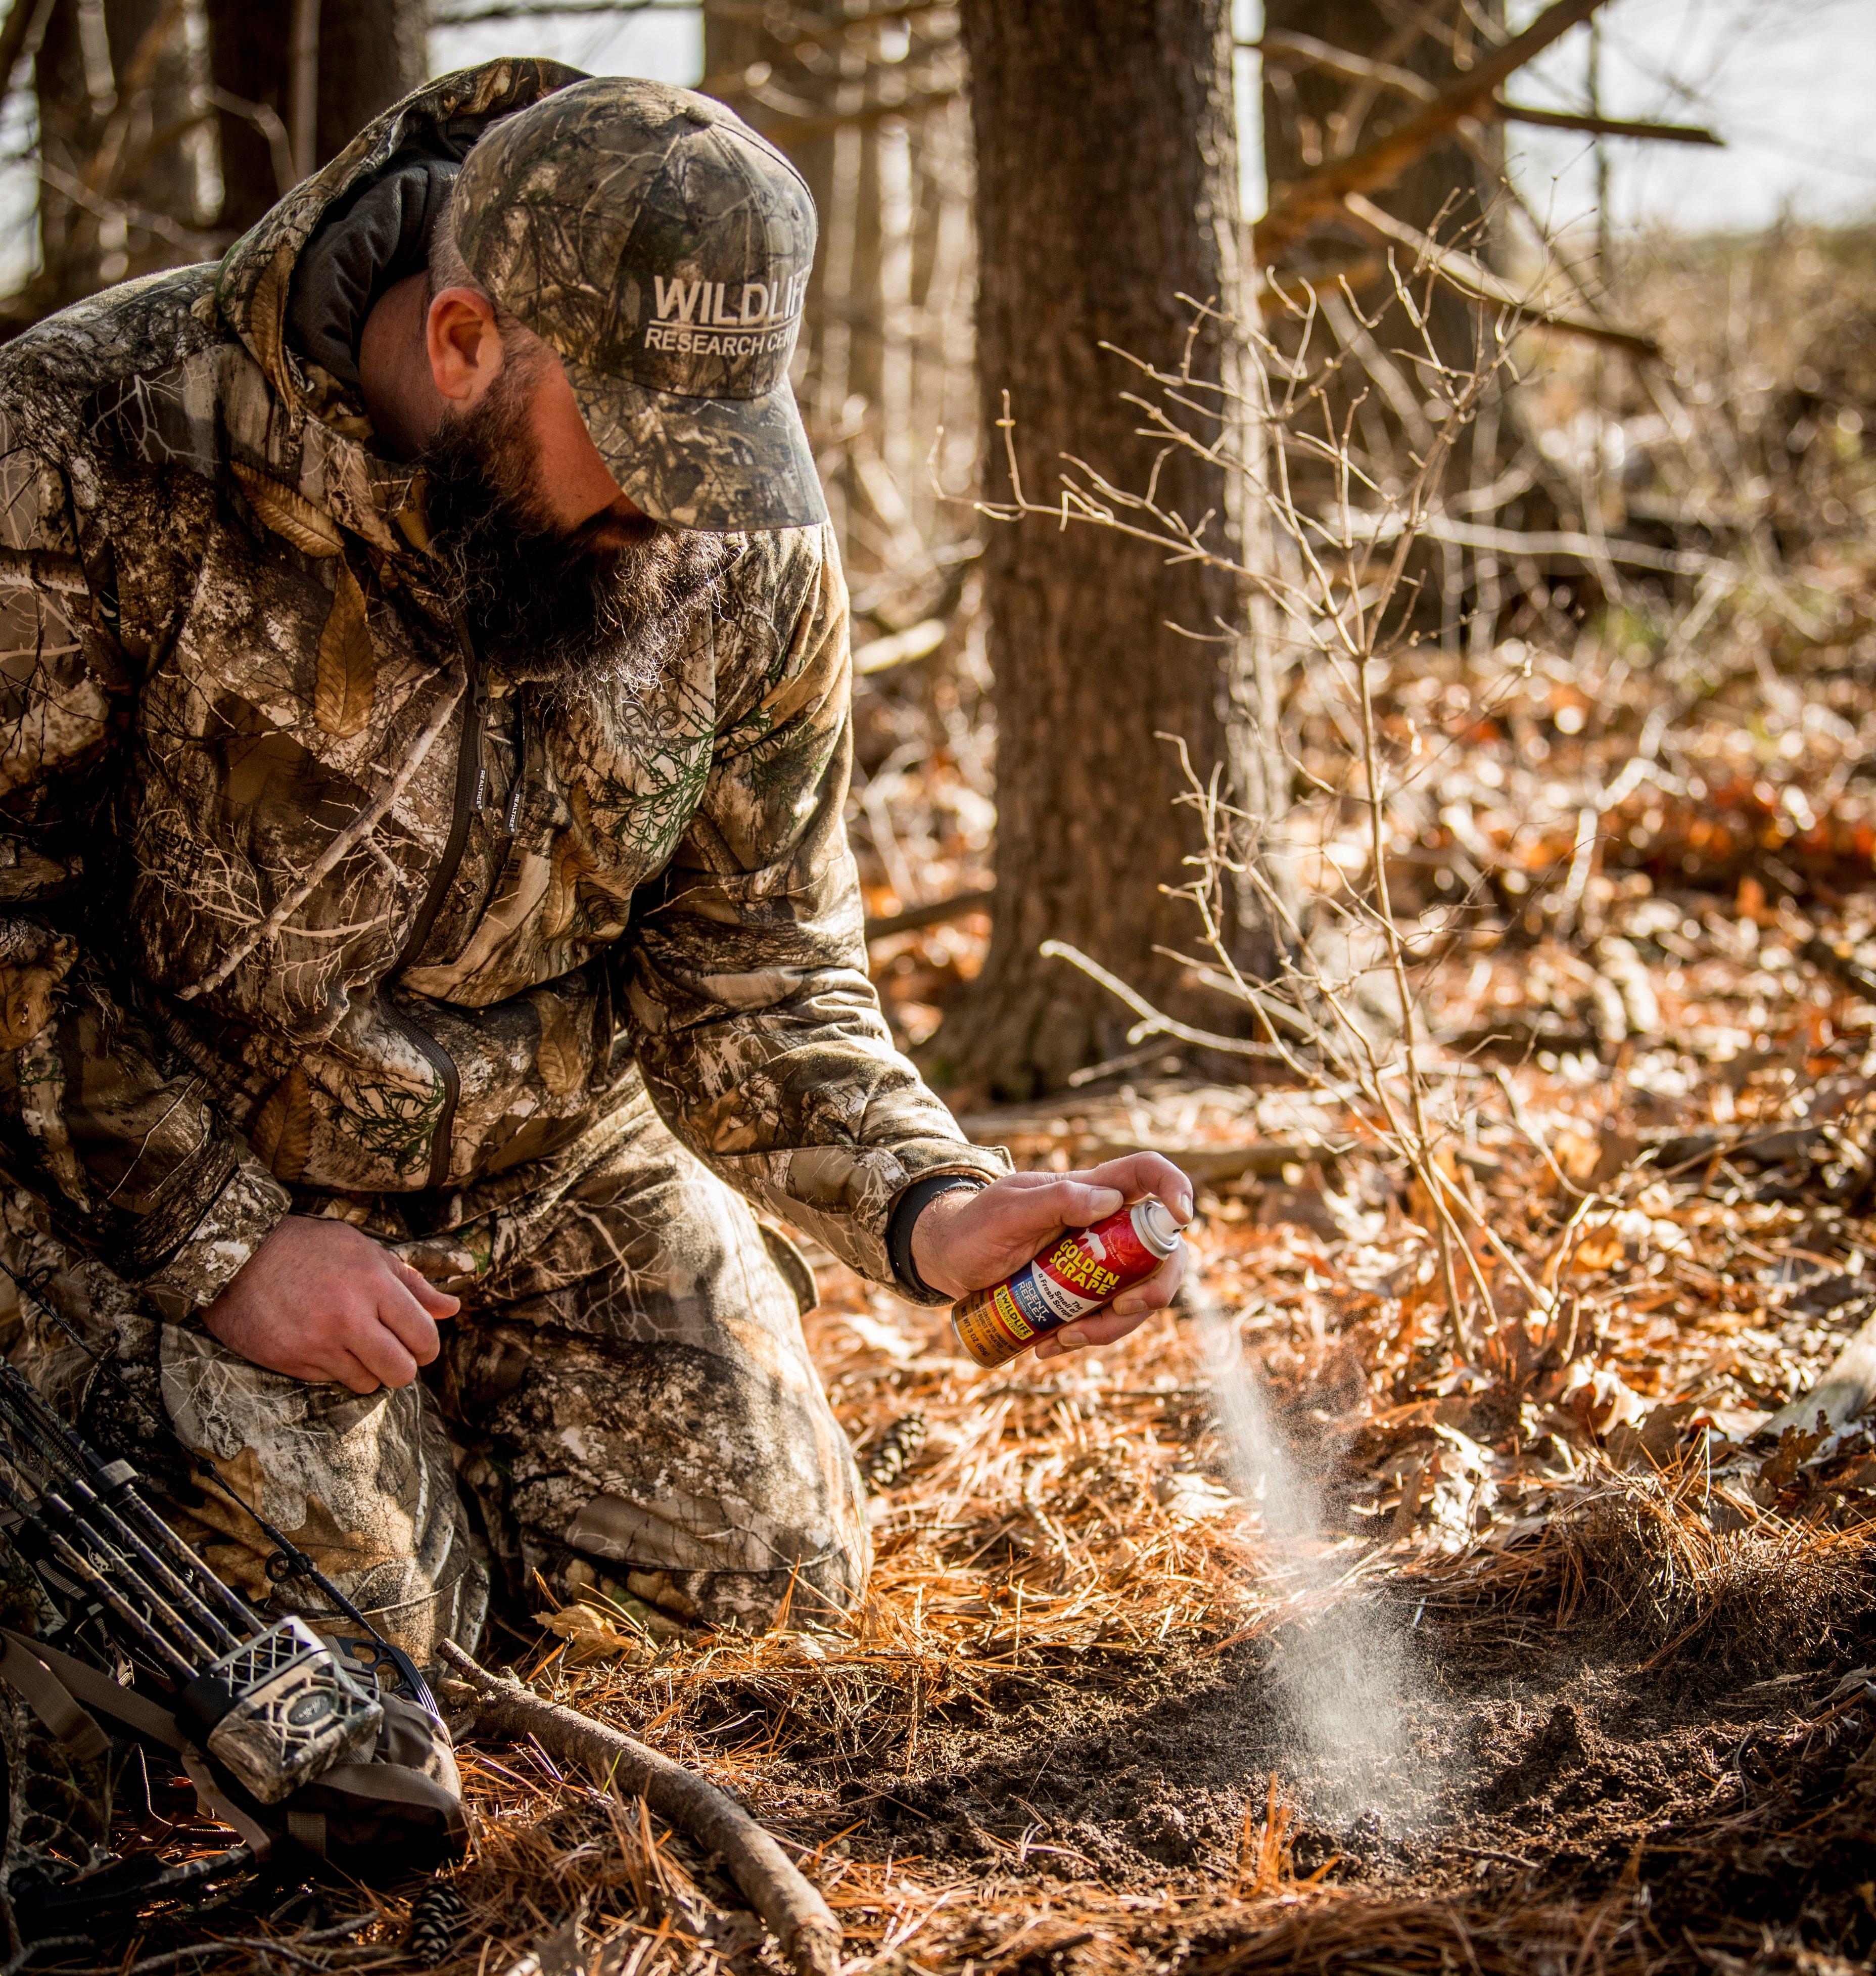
439,1920
898,1446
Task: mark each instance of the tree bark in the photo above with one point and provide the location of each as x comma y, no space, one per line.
73,99
158,147
1107,187
371,52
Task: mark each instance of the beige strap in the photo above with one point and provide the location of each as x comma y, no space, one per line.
216,1804
100,1692
43,1692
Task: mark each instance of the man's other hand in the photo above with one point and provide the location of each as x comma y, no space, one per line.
319,1301
964,1242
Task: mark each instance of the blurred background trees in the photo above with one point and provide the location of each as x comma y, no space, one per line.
163,128
1035,198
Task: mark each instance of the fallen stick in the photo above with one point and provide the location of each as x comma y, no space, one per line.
797,1915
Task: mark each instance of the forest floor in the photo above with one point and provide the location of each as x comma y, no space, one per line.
1605,1644
1307,1629
1626,1643
1626,1639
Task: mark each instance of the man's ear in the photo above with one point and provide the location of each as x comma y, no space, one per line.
464,347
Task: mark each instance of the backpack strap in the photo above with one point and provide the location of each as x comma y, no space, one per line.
216,1804
82,1684
49,1699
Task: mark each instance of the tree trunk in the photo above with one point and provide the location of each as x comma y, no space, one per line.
1106,187
158,149
370,53
74,97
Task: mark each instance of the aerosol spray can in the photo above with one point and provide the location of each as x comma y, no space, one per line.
1086,1269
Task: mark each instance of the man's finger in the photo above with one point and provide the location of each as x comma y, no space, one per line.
352,1372
438,1303
409,1324
1137,1174
1156,1292
1066,1203
378,1350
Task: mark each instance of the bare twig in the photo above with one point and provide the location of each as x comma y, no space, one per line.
1309,201
1281,45
801,1921
1605,127
1468,276
303,86
935,912
25,23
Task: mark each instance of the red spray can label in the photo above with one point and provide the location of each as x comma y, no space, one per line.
1085,1270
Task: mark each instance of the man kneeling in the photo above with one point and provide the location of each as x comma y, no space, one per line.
426,920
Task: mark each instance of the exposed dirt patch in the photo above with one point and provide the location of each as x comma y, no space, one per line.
1686,1799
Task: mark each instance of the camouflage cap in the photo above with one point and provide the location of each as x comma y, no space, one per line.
661,248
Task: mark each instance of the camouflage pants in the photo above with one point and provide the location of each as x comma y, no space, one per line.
625,1398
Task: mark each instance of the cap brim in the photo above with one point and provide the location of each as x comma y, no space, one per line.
720,464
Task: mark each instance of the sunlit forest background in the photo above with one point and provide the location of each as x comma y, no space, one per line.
1359,517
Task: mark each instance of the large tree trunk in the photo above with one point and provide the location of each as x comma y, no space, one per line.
1107,187
74,97
370,52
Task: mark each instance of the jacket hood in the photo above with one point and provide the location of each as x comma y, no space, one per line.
440,121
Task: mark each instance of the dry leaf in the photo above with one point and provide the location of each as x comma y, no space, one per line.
347,673
1577,1155
559,1056
591,1635
282,1138
1601,1248
289,514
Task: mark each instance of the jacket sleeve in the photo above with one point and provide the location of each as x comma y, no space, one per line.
758,1033
113,1138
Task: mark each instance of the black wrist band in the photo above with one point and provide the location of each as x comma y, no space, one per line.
904,1217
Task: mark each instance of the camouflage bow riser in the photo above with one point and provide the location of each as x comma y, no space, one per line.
268,1702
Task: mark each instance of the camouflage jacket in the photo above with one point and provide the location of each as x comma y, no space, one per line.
297,905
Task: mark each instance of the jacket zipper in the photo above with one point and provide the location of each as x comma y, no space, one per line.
449,1077
468,795
467,792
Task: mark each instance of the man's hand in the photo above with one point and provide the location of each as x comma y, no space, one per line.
964,1242
319,1301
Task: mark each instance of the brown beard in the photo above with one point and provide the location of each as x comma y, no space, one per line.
577,611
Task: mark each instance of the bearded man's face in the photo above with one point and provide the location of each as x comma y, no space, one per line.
603,605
